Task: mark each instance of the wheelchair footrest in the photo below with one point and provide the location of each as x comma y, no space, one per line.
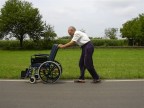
23,74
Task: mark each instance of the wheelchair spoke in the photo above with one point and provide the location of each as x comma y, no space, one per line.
49,72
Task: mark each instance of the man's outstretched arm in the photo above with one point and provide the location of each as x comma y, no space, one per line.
71,43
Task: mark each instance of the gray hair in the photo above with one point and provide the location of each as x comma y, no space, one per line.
72,27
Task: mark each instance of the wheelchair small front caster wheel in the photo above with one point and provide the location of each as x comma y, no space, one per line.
32,80
37,77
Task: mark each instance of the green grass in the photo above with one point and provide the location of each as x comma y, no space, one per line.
109,63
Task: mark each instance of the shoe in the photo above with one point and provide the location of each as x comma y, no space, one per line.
79,81
96,81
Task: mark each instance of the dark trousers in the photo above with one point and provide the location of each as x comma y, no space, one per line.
86,61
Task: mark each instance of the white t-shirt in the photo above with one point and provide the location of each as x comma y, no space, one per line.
80,38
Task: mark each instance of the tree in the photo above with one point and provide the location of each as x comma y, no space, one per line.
1,35
20,19
83,30
141,24
65,37
111,33
133,30
49,33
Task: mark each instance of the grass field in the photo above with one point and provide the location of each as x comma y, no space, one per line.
109,63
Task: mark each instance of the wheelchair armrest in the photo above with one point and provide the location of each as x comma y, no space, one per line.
41,55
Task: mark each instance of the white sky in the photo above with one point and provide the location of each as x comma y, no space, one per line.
94,16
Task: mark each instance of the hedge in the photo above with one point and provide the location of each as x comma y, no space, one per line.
42,44
109,42
27,45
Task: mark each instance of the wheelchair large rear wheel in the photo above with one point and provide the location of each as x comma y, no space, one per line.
59,65
49,71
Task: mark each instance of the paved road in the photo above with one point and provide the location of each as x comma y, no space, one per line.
108,94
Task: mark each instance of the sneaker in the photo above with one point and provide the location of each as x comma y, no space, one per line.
79,81
96,81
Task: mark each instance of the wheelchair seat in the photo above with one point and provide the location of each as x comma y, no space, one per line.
37,59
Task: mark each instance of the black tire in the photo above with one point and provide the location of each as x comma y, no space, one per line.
49,71
32,80
59,65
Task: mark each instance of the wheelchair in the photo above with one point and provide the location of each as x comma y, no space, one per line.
43,67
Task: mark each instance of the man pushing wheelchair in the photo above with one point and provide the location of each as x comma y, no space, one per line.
46,68
86,61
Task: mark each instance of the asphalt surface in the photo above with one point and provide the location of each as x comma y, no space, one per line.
66,94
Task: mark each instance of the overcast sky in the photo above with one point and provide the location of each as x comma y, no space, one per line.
94,16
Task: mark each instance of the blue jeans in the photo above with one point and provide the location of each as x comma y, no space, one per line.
86,61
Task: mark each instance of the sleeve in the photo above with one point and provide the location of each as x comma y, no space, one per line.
76,37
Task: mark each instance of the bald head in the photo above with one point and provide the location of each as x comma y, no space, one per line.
71,30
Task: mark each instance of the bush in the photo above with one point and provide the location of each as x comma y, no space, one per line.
27,45
61,41
109,42
9,45
43,44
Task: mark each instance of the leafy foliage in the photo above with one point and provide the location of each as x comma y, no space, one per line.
134,30
49,33
111,33
43,44
20,20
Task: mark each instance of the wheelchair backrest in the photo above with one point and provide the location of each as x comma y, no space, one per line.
53,52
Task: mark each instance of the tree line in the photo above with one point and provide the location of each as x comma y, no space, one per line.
20,19
133,30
